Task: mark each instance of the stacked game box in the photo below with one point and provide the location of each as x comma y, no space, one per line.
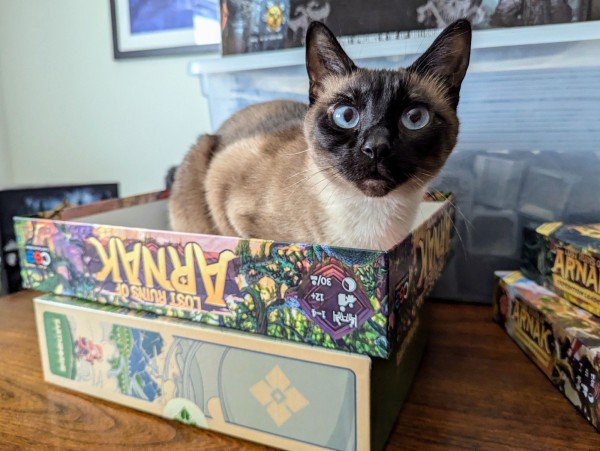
559,337
551,309
215,331
31,200
565,259
270,391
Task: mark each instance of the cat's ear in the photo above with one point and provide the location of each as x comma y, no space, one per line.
324,56
448,56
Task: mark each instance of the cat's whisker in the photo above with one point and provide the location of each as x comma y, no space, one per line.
296,153
295,184
335,175
423,172
420,183
426,172
325,187
333,191
299,182
338,199
418,180
302,172
468,223
424,183
328,203
458,210
458,235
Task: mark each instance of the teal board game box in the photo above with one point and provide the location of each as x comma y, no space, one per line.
270,391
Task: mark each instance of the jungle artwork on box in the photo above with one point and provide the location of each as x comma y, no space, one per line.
321,295
561,339
566,258
32,201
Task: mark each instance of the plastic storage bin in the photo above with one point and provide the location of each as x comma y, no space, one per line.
528,147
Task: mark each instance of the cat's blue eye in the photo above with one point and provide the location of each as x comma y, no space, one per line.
346,116
415,117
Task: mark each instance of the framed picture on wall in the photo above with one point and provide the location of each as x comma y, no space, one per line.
164,27
260,25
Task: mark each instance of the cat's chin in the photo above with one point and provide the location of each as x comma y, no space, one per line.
374,187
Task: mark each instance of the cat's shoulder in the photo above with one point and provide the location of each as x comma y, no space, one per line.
283,108
262,119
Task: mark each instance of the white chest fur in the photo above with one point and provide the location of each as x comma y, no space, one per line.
355,220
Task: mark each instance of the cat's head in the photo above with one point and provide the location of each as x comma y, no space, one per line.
380,129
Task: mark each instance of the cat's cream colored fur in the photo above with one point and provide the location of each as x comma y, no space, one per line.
268,185
263,174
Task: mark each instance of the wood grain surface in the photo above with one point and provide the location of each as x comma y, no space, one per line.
475,390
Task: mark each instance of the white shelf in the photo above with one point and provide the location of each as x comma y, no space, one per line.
482,39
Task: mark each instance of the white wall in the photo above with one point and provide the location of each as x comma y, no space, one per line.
5,158
74,114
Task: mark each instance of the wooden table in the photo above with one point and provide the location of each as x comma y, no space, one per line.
475,390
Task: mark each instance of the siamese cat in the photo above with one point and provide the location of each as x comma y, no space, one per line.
349,169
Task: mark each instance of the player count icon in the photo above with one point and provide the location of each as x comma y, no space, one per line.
346,300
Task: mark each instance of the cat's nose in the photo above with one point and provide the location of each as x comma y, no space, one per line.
376,146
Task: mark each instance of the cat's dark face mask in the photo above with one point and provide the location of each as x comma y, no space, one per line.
380,129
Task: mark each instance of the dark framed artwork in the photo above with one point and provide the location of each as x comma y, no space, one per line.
142,28
260,25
